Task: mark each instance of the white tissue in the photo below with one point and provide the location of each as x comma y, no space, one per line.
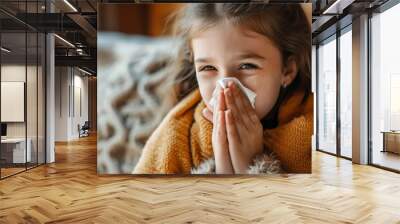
224,84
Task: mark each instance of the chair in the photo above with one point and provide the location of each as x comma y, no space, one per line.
84,130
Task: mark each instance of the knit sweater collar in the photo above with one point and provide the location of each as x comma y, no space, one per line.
291,108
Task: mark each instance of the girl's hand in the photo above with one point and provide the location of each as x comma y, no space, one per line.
223,164
244,129
245,138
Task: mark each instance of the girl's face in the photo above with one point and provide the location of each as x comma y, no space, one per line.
226,50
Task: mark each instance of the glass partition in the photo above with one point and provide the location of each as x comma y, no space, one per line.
22,88
41,96
31,100
13,106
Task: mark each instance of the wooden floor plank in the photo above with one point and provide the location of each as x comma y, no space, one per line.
69,191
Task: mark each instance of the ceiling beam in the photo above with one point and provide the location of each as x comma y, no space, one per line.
84,24
77,61
337,7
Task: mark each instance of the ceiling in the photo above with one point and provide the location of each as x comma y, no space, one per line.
72,20
332,15
76,22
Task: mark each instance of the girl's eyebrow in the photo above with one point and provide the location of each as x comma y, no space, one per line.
241,56
204,60
250,56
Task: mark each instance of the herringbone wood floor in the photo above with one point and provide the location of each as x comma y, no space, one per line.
69,191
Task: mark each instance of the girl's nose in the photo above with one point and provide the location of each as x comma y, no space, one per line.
223,76
227,75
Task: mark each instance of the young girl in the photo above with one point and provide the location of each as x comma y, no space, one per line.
267,48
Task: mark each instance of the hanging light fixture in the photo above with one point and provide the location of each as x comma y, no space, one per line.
84,71
5,50
70,5
65,41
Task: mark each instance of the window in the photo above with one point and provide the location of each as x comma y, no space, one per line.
327,96
385,89
346,93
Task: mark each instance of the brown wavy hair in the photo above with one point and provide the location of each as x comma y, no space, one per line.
286,25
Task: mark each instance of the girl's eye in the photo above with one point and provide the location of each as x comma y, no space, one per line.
207,68
248,66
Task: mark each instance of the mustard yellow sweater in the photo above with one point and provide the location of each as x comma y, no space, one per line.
182,141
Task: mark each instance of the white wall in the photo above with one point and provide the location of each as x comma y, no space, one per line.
70,83
80,88
16,73
11,73
33,126
61,103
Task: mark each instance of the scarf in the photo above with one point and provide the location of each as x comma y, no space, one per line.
181,144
